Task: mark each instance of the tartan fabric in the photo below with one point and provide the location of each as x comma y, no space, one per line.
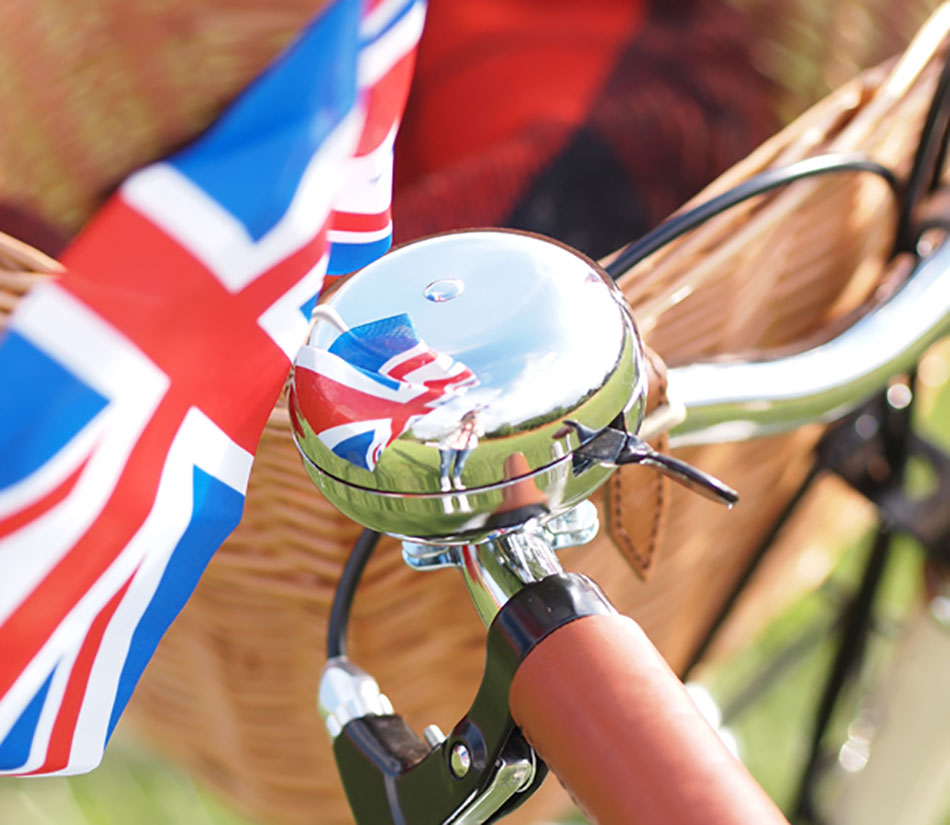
630,109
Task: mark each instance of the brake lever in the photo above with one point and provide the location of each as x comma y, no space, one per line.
616,447
484,768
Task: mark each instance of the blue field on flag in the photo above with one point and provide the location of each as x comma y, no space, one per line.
43,407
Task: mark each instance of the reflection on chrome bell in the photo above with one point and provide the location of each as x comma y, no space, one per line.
429,401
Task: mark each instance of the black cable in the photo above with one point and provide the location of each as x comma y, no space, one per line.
941,159
856,621
346,591
928,159
756,185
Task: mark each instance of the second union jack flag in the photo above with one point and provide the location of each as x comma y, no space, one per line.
363,391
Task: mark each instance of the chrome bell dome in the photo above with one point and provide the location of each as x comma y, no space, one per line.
430,399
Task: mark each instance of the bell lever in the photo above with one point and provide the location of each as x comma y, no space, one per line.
613,446
637,451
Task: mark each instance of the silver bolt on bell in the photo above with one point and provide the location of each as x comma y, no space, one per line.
460,760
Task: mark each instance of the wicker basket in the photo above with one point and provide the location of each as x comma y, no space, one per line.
230,692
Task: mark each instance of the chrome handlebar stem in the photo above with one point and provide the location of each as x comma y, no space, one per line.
496,569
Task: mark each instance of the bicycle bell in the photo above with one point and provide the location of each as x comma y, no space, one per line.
445,389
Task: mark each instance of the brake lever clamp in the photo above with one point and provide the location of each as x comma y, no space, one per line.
484,768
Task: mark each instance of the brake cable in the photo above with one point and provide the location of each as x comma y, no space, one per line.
759,184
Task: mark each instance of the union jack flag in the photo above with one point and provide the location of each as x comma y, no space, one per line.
363,391
136,387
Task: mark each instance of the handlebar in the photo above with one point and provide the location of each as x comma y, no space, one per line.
741,399
614,723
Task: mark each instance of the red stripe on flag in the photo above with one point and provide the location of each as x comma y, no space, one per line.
326,403
61,738
357,222
450,382
386,100
458,373
207,340
402,369
30,626
11,524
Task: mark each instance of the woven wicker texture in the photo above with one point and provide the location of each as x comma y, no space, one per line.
230,692
21,267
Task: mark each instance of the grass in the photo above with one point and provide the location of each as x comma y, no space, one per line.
132,785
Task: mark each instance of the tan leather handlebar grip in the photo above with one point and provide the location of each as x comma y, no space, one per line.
614,723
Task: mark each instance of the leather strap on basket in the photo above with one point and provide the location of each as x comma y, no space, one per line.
636,498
